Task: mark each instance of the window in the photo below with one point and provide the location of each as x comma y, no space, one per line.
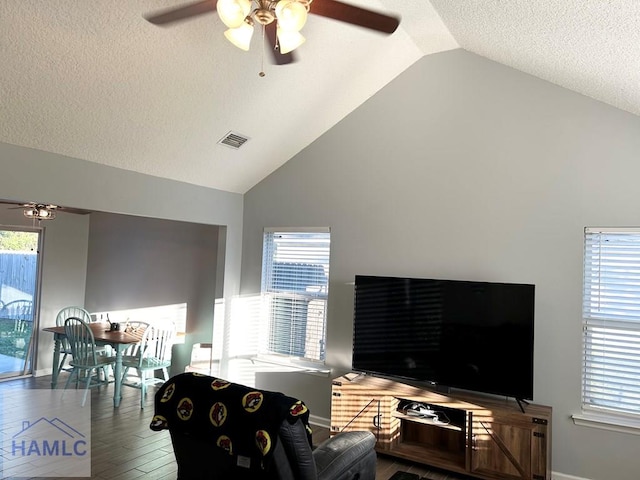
611,321
295,284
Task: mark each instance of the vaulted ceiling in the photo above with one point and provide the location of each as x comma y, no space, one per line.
92,79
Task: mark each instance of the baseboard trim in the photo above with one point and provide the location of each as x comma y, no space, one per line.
564,476
319,421
43,372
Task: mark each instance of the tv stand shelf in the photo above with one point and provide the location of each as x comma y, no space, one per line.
475,435
427,421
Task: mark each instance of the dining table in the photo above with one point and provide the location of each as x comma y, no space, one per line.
103,335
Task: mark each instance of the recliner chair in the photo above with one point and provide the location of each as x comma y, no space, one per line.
223,430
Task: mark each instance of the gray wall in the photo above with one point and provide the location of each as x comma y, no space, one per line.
465,169
136,262
76,183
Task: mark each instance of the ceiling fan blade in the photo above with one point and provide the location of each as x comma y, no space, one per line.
278,58
77,211
355,15
184,12
22,206
16,205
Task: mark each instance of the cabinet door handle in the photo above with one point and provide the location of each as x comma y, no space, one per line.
474,443
376,420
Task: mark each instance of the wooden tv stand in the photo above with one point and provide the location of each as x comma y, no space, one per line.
479,436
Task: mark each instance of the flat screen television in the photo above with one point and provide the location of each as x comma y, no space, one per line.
450,333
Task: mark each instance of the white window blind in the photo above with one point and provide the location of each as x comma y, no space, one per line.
295,281
611,321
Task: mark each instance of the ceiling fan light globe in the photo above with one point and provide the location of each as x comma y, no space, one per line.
233,12
39,212
292,15
289,40
45,213
240,36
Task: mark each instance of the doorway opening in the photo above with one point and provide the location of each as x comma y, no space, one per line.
19,282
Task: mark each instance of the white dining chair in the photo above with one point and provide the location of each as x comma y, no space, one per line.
153,354
137,329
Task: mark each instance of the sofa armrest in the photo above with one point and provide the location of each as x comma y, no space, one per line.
347,455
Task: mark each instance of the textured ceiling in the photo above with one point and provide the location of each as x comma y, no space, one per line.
93,80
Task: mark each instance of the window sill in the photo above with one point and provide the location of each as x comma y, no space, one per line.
292,366
607,422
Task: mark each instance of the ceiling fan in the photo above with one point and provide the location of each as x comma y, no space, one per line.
280,19
42,211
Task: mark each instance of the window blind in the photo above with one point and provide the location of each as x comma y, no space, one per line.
295,281
611,321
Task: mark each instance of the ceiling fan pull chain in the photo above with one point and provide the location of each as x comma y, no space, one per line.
262,74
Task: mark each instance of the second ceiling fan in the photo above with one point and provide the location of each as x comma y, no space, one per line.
282,20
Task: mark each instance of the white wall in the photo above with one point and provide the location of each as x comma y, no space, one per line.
465,169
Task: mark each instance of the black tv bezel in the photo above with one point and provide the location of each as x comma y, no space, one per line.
520,394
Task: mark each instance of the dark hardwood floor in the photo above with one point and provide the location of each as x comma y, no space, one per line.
124,448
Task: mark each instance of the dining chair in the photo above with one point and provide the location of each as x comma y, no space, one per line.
137,329
17,316
84,359
20,311
135,326
153,353
63,314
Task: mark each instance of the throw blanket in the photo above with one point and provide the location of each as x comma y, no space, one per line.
241,420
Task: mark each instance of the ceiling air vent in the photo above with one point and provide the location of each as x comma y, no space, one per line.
233,140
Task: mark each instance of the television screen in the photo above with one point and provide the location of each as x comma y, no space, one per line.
461,334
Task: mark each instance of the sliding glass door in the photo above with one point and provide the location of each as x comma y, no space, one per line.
19,274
